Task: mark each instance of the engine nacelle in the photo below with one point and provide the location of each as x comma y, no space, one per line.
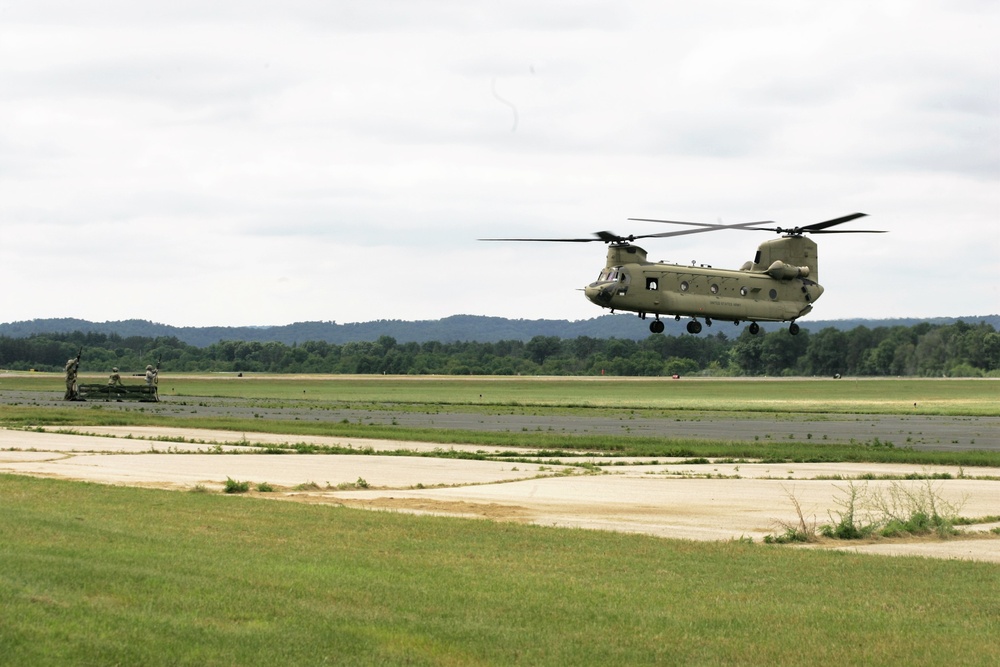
781,271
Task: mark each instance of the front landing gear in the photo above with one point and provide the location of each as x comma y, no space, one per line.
754,328
656,326
793,329
694,327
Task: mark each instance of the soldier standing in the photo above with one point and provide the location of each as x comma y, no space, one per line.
72,367
153,379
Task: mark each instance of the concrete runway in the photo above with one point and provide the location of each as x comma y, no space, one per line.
711,501
922,432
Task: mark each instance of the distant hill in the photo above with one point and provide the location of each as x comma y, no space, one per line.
455,328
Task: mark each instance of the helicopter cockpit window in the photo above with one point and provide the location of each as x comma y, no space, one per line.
610,275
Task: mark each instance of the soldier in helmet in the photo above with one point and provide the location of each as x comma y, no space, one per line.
152,380
72,367
116,379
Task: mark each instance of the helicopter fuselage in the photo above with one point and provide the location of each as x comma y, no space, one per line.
778,286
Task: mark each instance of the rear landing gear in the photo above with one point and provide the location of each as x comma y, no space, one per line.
754,328
656,326
694,327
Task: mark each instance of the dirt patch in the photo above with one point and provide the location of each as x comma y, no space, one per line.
698,502
456,508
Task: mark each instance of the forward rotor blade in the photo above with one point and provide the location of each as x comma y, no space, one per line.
549,240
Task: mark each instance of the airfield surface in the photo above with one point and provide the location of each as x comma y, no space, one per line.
918,431
668,498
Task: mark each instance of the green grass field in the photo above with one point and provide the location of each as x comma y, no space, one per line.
113,575
94,574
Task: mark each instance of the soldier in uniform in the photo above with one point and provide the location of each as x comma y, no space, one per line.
152,380
115,380
72,366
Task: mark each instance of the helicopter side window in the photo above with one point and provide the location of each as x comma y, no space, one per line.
652,284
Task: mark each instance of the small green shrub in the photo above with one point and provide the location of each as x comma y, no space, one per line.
788,537
232,486
308,486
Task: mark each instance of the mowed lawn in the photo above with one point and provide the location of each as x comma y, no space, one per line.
103,575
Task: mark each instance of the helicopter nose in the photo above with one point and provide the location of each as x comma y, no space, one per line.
814,291
599,294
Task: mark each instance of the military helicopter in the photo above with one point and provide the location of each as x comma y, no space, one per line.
779,285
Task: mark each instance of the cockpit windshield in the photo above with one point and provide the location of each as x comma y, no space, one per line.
610,274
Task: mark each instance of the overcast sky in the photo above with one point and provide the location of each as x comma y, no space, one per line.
260,163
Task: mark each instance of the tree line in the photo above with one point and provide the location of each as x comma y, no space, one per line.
931,350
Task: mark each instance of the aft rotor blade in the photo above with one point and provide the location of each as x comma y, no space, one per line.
822,227
848,231
830,223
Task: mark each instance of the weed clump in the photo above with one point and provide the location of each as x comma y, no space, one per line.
232,486
899,511
849,524
916,511
800,532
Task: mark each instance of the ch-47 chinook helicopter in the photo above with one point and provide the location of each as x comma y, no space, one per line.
779,285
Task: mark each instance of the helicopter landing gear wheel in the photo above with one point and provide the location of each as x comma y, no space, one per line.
694,327
793,329
656,326
754,328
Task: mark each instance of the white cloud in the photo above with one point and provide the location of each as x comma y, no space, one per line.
313,161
